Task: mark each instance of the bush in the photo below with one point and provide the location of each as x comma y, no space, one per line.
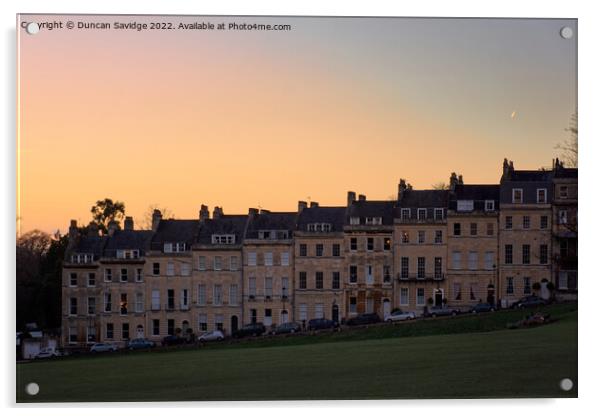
536,286
550,286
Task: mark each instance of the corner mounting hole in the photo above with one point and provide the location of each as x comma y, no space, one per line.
32,389
32,28
566,384
566,32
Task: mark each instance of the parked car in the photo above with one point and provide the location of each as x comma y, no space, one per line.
250,330
400,316
528,302
211,336
140,344
364,319
482,307
173,340
287,328
321,323
103,347
47,353
442,311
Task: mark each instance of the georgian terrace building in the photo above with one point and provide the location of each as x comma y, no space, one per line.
319,262
368,256
564,231
268,270
463,245
420,252
103,287
472,243
525,236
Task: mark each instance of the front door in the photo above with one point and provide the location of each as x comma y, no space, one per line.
234,323
139,331
284,317
438,297
386,308
335,313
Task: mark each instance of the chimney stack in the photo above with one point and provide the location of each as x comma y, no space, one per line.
217,213
313,204
301,205
508,167
72,230
350,198
453,181
401,188
361,197
93,229
113,226
157,216
128,224
253,212
204,213
460,180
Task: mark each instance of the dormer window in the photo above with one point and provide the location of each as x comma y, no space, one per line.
318,227
489,205
438,214
174,247
542,196
421,214
405,214
223,239
273,234
374,220
128,254
82,258
354,220
265,235
465,205
564,192
517,195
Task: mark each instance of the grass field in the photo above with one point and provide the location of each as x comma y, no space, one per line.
447,358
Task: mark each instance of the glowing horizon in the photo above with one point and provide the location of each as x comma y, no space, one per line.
243,119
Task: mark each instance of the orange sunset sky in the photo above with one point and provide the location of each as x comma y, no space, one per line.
244,119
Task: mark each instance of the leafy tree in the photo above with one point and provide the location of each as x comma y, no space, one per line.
105,211
38,278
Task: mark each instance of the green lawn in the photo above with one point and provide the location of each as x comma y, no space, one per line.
400,361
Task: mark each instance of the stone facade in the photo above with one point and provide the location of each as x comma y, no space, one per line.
459,246
319,263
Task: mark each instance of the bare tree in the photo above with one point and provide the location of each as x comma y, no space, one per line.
440,186
569,147
147,220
